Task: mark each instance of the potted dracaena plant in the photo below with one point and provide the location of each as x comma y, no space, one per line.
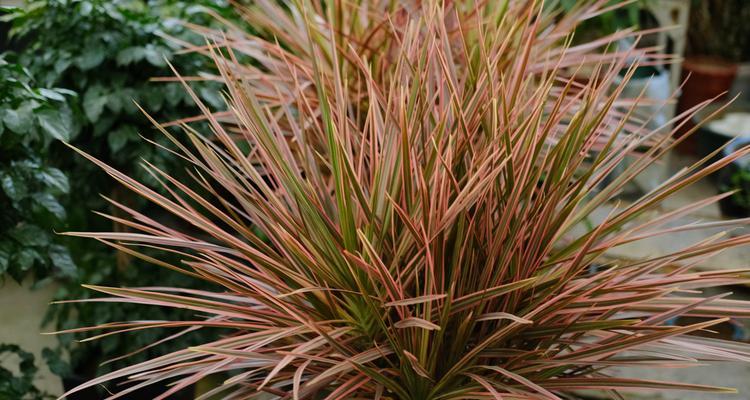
392,208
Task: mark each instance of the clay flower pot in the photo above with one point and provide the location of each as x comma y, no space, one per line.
709,77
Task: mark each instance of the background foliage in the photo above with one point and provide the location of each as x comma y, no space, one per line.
100,56
31,190
719,28
619,18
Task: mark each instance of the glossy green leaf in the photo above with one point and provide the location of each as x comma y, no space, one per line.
130,55
51,204
55,178
18,120
155,55
12,187
92,57
30,235
56,123
51,94
121,136
60,257
94,101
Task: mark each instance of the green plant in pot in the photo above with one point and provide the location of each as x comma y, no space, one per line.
393,207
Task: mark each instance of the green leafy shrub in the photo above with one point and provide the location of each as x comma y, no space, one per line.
32,189
393,208
106,52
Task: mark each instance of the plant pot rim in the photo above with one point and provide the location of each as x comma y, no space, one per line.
710,65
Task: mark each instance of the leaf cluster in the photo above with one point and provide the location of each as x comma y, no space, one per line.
93,61
31,189
107,52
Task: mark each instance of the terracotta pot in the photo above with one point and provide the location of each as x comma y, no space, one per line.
708,78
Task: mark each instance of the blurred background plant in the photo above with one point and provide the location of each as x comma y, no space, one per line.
618,18
86,63
719,28
718,43
736,178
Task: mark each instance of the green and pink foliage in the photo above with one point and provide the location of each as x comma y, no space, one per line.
393,207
